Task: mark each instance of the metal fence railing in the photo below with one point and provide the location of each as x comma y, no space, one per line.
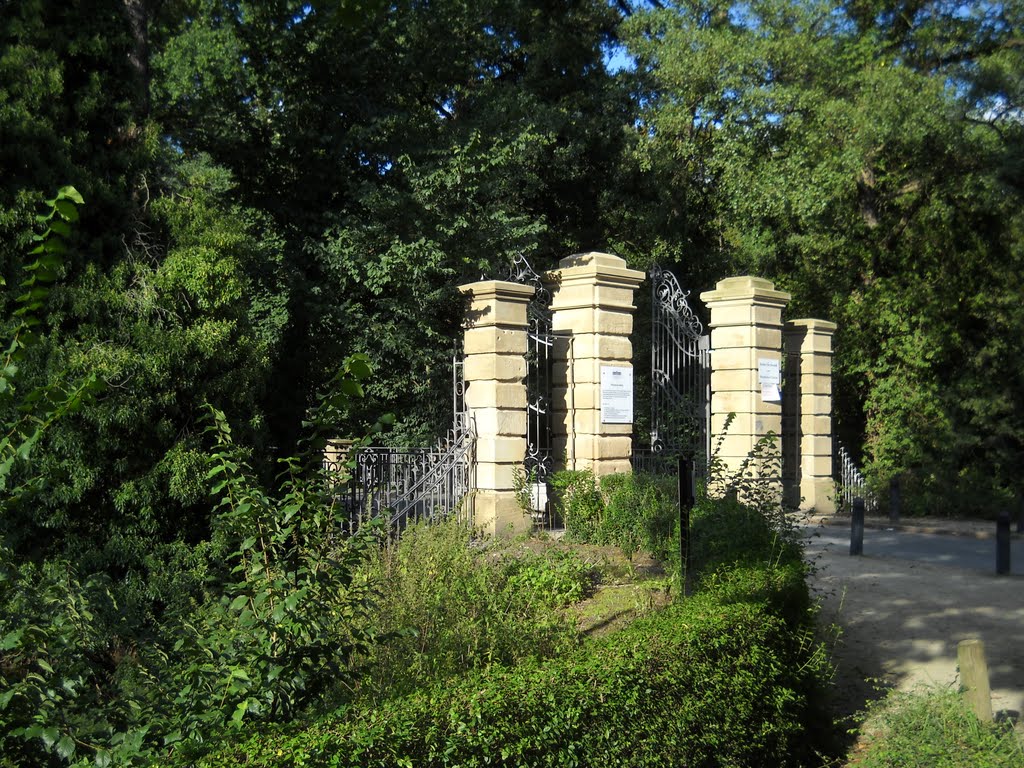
850,483
648,461
406,485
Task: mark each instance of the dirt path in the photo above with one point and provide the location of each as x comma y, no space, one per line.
901,622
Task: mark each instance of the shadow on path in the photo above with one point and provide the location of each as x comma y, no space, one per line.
901,621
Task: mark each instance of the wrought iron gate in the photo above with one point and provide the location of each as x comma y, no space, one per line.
540,345
680,374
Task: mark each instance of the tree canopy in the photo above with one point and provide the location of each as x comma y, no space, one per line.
867,157
267,181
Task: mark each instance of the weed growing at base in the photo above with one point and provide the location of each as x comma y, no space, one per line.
448,604
934,728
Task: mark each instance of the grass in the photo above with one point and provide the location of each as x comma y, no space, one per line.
933,728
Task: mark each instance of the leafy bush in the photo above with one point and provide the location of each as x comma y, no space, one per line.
447,604
578,502
639,514
284,613
63,689
726,532
731,676
701,683
750,548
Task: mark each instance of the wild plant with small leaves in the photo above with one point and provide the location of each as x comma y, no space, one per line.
293,609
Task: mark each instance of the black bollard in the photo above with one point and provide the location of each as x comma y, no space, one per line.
857,527
1003,543
1020,513
686,501
895,500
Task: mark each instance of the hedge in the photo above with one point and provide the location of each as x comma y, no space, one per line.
712,681
730,676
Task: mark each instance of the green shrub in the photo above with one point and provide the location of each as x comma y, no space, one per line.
556,578
639,514
698,684
727,532
735,548
448,604
731,676
578,502
84,682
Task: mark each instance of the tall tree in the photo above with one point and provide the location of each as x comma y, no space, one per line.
403,148
867,157
172,293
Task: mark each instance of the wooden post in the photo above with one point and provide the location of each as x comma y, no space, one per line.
970,655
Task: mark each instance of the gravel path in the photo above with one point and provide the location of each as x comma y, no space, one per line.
901,622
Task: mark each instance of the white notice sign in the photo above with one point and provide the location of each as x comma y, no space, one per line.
616,395
770,393
769,372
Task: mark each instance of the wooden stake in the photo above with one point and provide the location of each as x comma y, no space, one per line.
974,678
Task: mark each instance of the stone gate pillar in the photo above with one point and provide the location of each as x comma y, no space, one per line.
809,344
494,369
746,342
592,318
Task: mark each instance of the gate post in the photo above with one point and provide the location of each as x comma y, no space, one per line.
493,370
811,342
592,318
746,340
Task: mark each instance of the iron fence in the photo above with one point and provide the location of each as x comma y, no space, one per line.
649,461
850,483
407,485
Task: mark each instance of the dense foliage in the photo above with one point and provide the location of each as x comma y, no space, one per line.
730,676
867,156
269,612
447,604
633,512
250,193
267,181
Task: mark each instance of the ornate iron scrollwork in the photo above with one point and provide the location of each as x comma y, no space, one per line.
680,370
671,299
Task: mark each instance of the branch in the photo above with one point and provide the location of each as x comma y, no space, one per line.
898,230
627,9
988,123
442,109
969,54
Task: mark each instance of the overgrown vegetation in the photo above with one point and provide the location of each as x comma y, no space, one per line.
271,613
447,604
730,675
934,728
273,188
633,512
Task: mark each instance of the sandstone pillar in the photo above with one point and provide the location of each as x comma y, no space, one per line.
746,347
494,369
592,318
809,346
